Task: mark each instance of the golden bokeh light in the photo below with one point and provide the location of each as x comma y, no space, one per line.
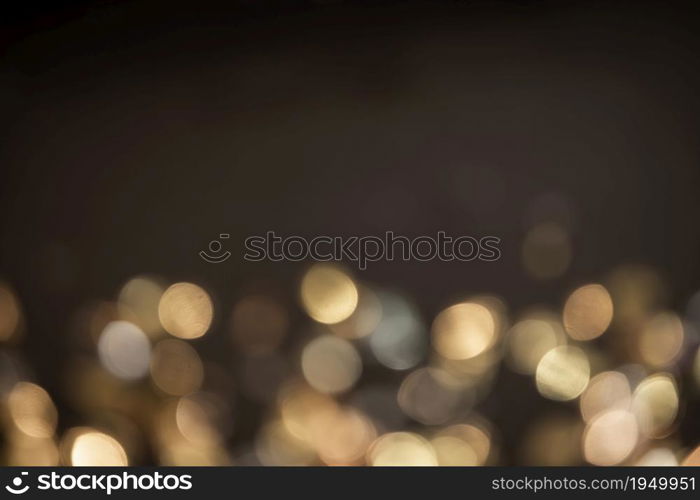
429,396
562,374
91,448
10,313
610,437
606,391
328,294
185,310
176,368
546,251
661,340
658,457
31,410
276,446
463,331
655,404
401,449
462,444
588,312
124,350
331,364
530,339
344,436
304,410
453,452
258,324
138,301
364,320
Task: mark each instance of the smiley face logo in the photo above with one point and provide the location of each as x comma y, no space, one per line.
16,488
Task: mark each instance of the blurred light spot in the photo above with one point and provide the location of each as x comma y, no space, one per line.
275,445
304,410
610,437
32,410
331,364
474,437
138,301
530,339
657,457
399,341
463,331
194,422
661,340
401,449
635,291
258,324
588,312
546,251
124,350
364,319
24,450
563,373
10,314
185,311
453,452
328,294
606,391
91,448
655,404
176,367
344,437
428,396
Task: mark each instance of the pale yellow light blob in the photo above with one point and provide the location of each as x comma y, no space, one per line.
304,410
24,450
606,391
463,331
588,312
194,423
364,320
474,435
185,310
344,437
328,294
176,368
10,314
401,449
32,410
655,404
91,448
563,373
276,446
453,452
529,340
124,350
610,437
138,301
546,251
331,364
658,457
661,339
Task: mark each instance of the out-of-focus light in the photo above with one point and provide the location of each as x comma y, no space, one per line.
344,436
530,339
364,319
401,449
138,301
23,450
658,457
476,449
661,339
275,445
176,368
428,396
546,251
655,404
303,411
331,364
31,410
258,324
185,310
328,294
92,448
124,350
399,340
10,314
463,331
606,391
562,374
610,437
588,312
